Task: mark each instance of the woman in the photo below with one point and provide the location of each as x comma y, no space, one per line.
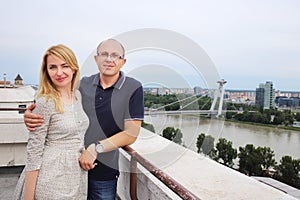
52,169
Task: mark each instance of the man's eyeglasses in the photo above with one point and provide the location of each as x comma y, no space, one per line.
113,56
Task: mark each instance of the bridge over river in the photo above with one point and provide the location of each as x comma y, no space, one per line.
170,112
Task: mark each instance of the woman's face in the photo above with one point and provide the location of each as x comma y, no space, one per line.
60,72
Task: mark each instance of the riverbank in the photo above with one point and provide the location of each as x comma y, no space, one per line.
291,128
283,142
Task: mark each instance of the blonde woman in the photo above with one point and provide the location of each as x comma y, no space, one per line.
52,169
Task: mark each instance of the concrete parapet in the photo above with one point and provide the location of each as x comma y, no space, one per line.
202,176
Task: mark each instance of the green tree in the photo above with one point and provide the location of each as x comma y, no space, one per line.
241,106
168,101
231,106
173,134
213,154
278,118
297,116
226,152
288,117
239,117
208,145
267,157
205,145
178,136
288,171
249,160
204,103
263,116
229,115
188,101
147,126
255,117
168,133
199,142
255,161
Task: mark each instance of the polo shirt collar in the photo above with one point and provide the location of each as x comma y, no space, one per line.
117,85
120,81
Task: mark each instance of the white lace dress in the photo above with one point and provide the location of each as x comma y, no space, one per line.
54,150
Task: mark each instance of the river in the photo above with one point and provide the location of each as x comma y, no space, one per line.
282,142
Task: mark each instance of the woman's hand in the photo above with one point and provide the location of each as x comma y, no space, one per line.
88,158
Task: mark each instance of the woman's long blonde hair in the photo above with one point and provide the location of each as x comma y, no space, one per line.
47,87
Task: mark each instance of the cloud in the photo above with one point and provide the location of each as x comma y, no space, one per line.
243,39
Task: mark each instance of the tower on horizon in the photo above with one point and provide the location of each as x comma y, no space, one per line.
18,80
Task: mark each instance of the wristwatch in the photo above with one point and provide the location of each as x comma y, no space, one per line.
99,147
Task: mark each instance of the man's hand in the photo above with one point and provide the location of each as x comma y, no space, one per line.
32,120
88,158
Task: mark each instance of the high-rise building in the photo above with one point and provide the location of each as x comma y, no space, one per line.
197,90
265,95
259,96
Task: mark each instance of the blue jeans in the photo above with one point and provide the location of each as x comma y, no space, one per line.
102,190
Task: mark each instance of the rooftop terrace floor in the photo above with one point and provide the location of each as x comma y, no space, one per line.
8,180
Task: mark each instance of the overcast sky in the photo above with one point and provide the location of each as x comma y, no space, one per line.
249,42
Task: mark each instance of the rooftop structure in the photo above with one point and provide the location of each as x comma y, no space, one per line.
17,95
13,134
18,80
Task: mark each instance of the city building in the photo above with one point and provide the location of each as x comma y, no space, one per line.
240,96
7,84
288,93
18,80
166,91
197,90
265,95
284,101
260,96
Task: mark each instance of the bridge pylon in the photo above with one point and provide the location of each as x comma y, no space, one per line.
218,94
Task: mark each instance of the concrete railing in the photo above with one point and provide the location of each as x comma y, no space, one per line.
202,176
176,187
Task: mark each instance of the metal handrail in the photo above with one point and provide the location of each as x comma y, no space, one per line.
13,109
163,177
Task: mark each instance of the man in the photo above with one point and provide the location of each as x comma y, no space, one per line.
114,105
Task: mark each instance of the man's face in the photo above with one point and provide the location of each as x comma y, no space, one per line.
109,58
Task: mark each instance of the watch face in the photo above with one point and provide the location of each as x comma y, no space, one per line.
99,148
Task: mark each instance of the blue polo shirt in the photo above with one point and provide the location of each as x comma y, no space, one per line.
107,110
